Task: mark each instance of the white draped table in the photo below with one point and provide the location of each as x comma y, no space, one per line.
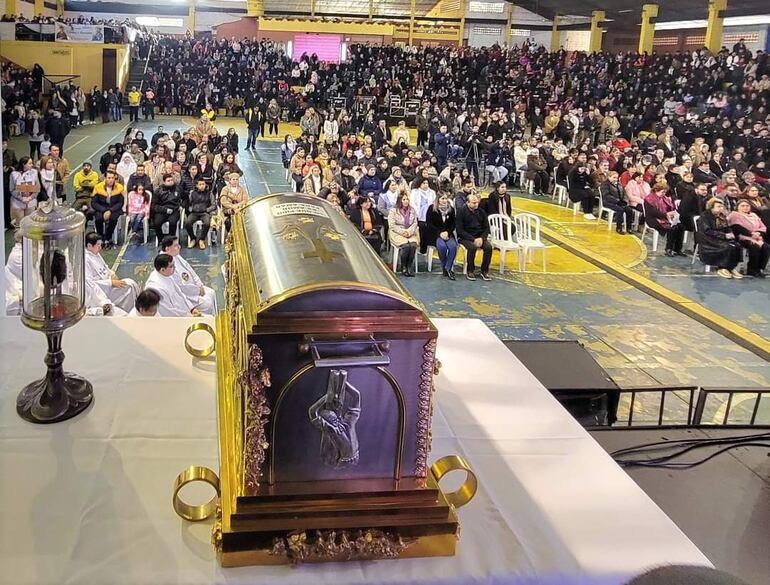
88,501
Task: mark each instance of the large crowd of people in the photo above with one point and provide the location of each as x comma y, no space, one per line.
675,143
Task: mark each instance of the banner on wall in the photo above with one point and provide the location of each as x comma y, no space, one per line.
7,31
79,33
34,31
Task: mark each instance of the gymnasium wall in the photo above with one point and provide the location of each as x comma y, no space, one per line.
67,59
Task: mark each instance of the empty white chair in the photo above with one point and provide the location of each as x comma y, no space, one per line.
501,236
528,237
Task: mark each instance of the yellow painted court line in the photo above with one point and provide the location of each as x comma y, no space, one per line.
714,321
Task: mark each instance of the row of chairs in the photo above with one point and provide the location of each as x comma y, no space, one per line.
525,242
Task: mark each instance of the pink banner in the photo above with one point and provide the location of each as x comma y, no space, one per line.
327,47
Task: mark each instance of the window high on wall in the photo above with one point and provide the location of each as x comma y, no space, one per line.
486,7
160,22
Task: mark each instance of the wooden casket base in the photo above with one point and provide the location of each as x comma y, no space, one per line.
335,526
291,523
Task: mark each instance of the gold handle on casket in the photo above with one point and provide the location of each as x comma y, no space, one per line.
206,351
467,490
189,475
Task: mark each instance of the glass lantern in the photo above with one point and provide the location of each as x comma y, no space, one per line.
53,293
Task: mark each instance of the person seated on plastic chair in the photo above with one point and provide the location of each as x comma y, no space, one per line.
232,198
107,204
661,215
403,234
440,230
368,221
472,232
716,240
751,233
199,207
613,197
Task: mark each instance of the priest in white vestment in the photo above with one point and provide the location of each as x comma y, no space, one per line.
173,302
98,304
121,292
13,263
192,286
12,293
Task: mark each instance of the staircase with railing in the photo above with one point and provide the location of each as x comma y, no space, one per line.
137,73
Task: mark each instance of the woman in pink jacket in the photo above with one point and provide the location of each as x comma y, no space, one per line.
636,190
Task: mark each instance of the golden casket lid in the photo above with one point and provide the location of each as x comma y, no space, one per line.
300,245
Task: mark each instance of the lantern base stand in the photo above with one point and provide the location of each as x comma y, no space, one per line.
57,397
41,404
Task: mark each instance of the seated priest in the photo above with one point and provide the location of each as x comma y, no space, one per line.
192,286
173,302
98,304
146,304
120,291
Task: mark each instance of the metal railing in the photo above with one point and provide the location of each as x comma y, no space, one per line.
697,402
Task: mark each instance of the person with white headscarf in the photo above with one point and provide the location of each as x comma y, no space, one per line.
126,167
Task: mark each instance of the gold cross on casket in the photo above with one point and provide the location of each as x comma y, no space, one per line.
293,231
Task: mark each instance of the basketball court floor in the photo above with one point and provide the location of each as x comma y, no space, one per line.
639,339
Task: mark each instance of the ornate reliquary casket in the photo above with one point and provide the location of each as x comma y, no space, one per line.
325,380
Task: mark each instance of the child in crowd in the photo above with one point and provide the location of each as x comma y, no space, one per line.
45,146
138,209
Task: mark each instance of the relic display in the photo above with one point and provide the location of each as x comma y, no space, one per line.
53,293
325,370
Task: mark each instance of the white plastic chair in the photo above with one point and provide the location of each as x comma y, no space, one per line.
560,194
429,257
655,236
198,225
461,248
695,244
610,213
521,177
528,237
501,237
395,259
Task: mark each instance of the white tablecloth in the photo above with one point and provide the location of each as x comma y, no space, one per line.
88,501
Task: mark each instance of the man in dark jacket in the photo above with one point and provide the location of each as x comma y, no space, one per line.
139,177
57,128
165,207
200,206
252,117
472,231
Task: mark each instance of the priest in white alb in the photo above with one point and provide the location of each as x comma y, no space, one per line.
192,286
173,302
120,291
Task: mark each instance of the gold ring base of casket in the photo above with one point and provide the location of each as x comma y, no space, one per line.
188,511
206,351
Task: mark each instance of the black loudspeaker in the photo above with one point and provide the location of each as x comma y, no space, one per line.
579,384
